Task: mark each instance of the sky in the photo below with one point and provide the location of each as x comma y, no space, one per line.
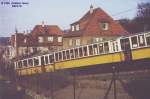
57,12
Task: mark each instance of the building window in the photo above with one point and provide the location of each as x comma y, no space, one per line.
72,28
77,27
70,42
104,26
50,39
59,39
77,42
40,39
96,39
25,40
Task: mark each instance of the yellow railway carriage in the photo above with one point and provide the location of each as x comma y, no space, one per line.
133,49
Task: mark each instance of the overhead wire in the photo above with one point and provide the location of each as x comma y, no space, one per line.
125,11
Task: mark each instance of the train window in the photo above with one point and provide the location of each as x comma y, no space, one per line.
36,61
95,48
46,60
76,53
56,56
64,55
72,53
42,60
114,46
80,52
60,56
25,63
106,47
148,39
85,51
125,45
101,49
67,54
134,41
141,40
30,62
51,58
90,49
20,64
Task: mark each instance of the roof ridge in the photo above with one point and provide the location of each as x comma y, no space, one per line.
85,15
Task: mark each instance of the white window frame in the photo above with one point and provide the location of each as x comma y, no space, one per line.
77,42
77,27
97,39
134,46
72,28
25,40
59,39
104,25
40,39
50,38
147,35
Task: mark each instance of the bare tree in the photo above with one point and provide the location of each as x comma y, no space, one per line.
143,15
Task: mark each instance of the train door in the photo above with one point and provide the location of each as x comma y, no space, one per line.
125,46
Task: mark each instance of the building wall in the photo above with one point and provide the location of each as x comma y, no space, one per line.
9,52
67,41
84,40
23,51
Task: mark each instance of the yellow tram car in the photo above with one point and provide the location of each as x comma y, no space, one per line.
124,49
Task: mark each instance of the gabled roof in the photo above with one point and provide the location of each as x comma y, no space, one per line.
46,30
30,39
84,18
88,28
73,34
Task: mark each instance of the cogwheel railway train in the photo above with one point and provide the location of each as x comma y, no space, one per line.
126,48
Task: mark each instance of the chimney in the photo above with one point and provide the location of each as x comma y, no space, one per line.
26,31
91,9
43,24
16,30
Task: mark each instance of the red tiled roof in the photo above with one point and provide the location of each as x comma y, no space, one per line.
89,25
46,30
74,34
84,18
20,38
12,39
31,39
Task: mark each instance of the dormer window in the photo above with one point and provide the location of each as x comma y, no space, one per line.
40,39
77,27
104,25
72,28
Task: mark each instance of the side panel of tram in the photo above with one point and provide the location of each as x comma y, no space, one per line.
124,49
93,54
140,46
